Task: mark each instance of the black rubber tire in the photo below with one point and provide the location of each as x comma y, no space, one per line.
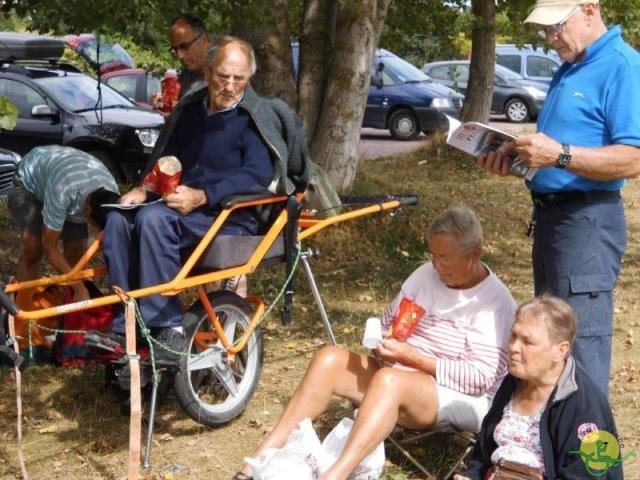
200,393
113,167
404,125
517,111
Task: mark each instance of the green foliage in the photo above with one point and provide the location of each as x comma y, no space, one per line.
8,114
422,30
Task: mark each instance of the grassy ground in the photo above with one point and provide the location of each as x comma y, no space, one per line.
73,430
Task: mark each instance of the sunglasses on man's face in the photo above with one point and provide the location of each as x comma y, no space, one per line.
558,28
183,47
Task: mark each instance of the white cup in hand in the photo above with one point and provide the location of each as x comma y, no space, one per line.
372,333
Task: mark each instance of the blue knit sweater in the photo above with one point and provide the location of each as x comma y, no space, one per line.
221,154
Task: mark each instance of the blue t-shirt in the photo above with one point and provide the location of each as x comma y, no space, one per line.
592,103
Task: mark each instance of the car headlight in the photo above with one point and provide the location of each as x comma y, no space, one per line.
535,92
441,102
148,136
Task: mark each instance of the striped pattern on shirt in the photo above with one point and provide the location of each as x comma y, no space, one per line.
466,330
62,178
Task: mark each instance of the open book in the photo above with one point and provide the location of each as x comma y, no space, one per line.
478,139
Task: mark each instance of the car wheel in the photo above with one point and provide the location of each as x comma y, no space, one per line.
403,125
517,110
106,158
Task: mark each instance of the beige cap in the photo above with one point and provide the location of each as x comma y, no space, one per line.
550,12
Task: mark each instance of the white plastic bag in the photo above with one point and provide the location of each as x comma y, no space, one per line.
295,460
369,469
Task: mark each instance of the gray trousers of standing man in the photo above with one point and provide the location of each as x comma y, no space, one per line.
577,251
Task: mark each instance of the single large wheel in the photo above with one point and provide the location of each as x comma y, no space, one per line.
517,110
210,389
404,125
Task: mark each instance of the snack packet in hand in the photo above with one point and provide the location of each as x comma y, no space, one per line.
165,176
406,320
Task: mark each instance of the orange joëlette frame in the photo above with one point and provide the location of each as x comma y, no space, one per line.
308,226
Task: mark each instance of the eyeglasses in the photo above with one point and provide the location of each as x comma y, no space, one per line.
235,80
556,29
183,47
446,260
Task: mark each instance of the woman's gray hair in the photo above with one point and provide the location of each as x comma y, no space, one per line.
461,222
222,42
558,316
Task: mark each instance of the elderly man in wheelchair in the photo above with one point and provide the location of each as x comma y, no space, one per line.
230,141
445,372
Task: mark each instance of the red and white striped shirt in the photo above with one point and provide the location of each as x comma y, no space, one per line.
467,331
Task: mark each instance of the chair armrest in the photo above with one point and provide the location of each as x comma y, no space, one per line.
231,200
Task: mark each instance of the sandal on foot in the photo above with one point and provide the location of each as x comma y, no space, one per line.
242,476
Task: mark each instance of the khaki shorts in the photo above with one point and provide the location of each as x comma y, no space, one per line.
26,211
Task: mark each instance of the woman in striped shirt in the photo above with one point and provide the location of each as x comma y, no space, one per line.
445,372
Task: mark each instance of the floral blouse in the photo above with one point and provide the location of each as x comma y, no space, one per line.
518,439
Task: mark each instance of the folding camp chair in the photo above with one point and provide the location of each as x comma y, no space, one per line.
403,440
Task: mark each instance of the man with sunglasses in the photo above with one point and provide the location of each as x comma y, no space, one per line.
190,44
587,145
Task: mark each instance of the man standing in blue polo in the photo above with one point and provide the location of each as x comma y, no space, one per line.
587,145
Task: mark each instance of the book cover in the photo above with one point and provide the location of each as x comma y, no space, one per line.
477,138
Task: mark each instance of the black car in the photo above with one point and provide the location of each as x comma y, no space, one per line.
519,99
58,105
8,164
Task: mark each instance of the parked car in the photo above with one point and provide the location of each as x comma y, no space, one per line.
8,164
532,63
134,83
519,99
58,105
403,99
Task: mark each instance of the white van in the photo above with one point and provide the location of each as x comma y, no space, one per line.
532,64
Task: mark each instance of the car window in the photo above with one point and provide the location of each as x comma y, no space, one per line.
507,74
23,96
401,71
440,72
125,84
153,87
80,92
512,62
460,73
540,66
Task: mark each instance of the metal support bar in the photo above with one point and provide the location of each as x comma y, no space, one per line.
316,294
151,421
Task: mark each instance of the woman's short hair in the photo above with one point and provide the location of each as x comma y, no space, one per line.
460,221
557,315
225,40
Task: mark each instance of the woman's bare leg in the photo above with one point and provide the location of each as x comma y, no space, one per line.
332,371
394,396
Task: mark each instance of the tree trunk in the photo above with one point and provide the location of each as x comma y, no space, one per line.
477,104
265,25
335,138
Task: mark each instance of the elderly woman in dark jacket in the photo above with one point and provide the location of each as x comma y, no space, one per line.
546,409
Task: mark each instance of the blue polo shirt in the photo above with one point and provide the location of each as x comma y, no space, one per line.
592,103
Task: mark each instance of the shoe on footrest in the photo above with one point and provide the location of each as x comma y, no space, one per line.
104,342
174,341
112,346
